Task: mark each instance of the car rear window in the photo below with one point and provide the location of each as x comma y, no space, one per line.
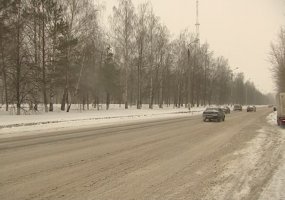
212,109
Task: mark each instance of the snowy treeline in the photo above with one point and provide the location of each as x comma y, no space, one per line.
278,61
60,51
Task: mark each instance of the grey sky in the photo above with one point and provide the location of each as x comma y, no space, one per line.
240,30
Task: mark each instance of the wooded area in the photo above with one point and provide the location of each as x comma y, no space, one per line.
59,52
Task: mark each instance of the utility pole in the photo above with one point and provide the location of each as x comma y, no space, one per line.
190,75
246,94
232,85
206,63
189,80
195,64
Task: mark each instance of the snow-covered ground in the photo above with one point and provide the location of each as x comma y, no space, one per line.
31,123
276,186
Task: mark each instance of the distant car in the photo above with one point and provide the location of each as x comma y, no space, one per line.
237,107
251,109
214,113
226,109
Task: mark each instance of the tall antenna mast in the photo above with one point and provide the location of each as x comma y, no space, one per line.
197,21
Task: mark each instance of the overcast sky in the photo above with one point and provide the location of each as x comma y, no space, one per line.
240,30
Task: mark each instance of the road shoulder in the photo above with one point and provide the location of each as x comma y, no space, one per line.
275,186
248,172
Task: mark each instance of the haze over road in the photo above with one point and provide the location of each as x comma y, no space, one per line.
180,158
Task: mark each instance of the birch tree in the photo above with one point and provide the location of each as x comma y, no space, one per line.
122,23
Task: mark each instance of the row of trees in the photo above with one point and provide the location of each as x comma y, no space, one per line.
278,61
57,51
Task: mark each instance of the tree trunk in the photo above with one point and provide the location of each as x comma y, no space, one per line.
139,88
65,93
188,101
126,60
36,106
83,101
51,106
126,90
18,64
52,79
139,103
178,95
6,90
161,84
161,94
68,101
151,92
63,100
4,78
87,100
107,101
97,102
43,62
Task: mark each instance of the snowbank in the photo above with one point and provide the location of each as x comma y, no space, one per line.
272,118
13,125
275,188
240,172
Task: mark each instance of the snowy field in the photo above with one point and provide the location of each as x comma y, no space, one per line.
34,122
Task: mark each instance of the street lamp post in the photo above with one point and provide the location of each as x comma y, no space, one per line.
190,94
207,64
232,85
246,91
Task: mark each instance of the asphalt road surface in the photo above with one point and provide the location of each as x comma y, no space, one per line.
167,159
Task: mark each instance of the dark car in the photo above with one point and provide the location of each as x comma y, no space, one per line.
216,114
226,109
251,109
237,107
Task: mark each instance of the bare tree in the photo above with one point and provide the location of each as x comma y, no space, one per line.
151,32
277,57
123,33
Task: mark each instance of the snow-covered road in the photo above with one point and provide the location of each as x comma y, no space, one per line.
182,158
258,163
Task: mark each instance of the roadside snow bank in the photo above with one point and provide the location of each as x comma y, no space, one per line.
52,121
275,188
236,180
272,118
